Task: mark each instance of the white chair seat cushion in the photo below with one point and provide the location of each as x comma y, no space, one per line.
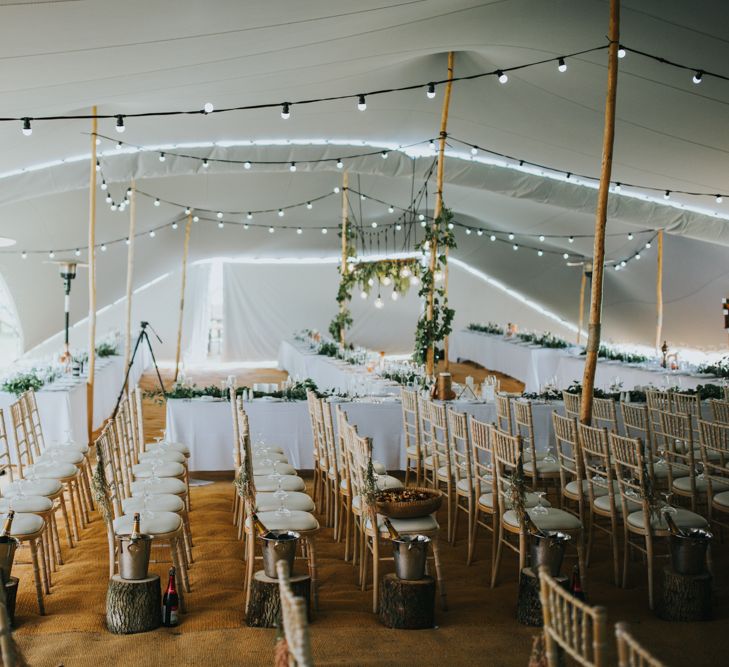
162,454
265,484
573,489
388,482
722,499
24,524
38,487
259,456
281,468
30,504
343,484
682,517
443,473
160,502
528,455
72,456
660,469
73,446
297,520
702,484
167,469
256,448
419,524
161,485
530,500
603,503
155,523
486,482
552,519
543,467
180,447
54,470
296,500
379,468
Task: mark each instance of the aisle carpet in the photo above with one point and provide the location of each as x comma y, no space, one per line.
478,629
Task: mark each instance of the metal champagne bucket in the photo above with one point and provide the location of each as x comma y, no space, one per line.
278,545
688,553
410,553
548,550
8,545
134,556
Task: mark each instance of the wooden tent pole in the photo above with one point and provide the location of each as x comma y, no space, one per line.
182,293
130,272
581,320
430,353
659,290
345,240
92,282
598,262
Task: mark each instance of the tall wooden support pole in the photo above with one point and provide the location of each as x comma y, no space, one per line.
130,272
659,289
92,281
182,293
598,262
581,319
345,242
430,354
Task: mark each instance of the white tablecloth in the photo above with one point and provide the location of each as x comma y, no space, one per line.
536,366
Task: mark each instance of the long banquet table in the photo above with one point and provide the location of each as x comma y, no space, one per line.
537,366
206,427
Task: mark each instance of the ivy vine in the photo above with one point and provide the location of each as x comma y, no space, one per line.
430,333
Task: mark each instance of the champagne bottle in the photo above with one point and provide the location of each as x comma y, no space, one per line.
576,584
672,526
258,525
170,602
5,534
394,535
136,531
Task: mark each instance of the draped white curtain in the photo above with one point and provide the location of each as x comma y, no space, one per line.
196,318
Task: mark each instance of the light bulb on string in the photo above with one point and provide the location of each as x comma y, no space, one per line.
468,231
174,225
336,190
474,150
423,223
566,255
363,197
719,199
561,65
379,303
361,103
309,205
157,201
51,254
249,216
492,237
285,111
208,107
515,246
637,255
398,227
414,280
384,155
511,237
667,194
127,241
421,216
540,253
246,165
363,295
370,282
618,187
119,145
617,267
206,164
129,192
431,144
503,77
541,237
196,218
405,271
431,91
162,157
451,225
648,245
98,166
187,210
374,224
395,295
292,167
479,232
120,127
281,213
438,276
108,198
77,252
340,164
387,281
324,230
390,209
299,230
103,247
698,76
27,129
246,227
104,185
152,234
271,230
219,215
630,236
24,255
221,224
621,51
571,239
113,206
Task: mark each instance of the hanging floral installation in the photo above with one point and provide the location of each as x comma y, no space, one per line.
430,333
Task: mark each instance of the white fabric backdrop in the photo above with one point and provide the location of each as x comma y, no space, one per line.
196,318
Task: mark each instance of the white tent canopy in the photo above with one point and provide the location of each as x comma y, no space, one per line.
164,56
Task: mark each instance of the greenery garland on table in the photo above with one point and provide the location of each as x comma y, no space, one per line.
720,368
490,328
547,340
605,352
33,379
704,391
107,349
430,333
296,392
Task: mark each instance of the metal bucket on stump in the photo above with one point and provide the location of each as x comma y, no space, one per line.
410,553
134,556
8,545
688,552
548,550
278,545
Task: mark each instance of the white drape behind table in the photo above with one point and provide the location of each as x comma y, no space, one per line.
196,316
206,427
536,366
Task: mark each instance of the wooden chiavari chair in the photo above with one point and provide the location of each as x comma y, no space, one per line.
604,414
657,402
411,430
462,468
541,470
333,476
426,442
714,438
345,485
319,449
637,424
506,452
680,455
294,620
572,403
719,411
483,482
573,484
630,652
504,416
634,483
440,458
577,628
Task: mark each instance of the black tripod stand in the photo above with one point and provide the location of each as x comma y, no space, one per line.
143,336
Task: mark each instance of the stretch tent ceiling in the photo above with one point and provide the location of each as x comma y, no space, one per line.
179,55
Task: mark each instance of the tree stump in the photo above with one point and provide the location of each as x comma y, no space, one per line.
133,605
686,597
407,605
529,606
11,594
264,608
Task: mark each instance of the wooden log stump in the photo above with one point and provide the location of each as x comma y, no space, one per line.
529,606
11,595
685,597
264,608
407,605
133,605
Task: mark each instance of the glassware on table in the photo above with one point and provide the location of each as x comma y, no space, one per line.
549,457
540,507
666,506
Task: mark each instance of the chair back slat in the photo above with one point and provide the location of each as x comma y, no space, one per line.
719,411
411,420
333,455
483,469
30,405
504,418
598,464
631,473
637,424
439,445
568,451
572,403
524,421
678,447
604,414
506,451
714,440
460,446
630,652
23,450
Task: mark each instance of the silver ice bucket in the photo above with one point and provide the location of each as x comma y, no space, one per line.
134,556
278,545
548,550
688,553
410,553
8,545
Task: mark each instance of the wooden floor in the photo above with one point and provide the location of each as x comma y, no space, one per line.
478,629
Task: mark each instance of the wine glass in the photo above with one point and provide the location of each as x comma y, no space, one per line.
549,457
540,507
666,506
281,494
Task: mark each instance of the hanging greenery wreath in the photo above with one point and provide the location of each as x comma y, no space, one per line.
430,333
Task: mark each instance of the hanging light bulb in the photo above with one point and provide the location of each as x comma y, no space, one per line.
511,237
630,236
390,209
438,276
336,189
221,224
541,237
120,127
474,150
208,107
566,255
98,166
621,51
379,303
249,216
108,198
361,103
492,237
51,254
157,202
395,295
292,167
281,213
363,197
299,230
174,225
387,281
561,65
340,164
540,253
103,247
719,199
246,226
698,76
384,155
126,240
374,224
468,231
363,295
196,218
421,216
405,271
431,91
27,129
414,280
617,267
162,157
285,111
637,255
219,215
77,252
104,185
451,225
667,194
324,230
113,206
515,246
152,234
423,223
370,282
206,164
426,245
246,165
398,227
187,210
271,230
571,239
431,144
119,145
503,78
648,245
479,232
24,255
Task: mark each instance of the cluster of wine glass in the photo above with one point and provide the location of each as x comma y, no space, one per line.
270,459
